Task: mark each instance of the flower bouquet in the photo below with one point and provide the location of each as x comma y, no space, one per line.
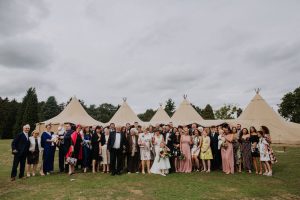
224,145
164,153
181,156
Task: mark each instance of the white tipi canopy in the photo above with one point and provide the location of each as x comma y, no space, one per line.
186,114
259,113
74,113
160,117
125,115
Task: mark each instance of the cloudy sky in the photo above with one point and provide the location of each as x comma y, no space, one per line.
149,50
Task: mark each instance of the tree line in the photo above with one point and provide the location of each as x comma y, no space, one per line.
14,114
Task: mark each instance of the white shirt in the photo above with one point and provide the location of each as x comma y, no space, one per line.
167,137
117,141
26,134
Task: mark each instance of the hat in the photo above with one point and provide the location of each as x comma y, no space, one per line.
200,128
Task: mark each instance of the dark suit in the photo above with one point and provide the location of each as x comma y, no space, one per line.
217,161
170,145
116,153
21,144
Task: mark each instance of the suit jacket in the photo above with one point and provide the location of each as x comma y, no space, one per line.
170,143
214,142
21,144
112,139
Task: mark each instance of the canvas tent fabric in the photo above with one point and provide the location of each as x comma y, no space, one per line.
186,114
160,117
124,115
259,113
74,113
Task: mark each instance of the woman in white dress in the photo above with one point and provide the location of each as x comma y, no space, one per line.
145,143
264,155
104,151
160,165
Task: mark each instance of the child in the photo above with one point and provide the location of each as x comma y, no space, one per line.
163,162
206,154
54,139
264,155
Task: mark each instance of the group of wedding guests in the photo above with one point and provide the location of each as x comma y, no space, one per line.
160,149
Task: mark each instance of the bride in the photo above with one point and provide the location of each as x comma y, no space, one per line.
160,165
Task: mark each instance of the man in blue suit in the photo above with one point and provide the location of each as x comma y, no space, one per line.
20,148
115,144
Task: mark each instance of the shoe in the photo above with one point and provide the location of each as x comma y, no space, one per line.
48,173
128,172
143,172
270,173
266,173
208,171
28,175
13,179
33,174
42,173
137,172
163,174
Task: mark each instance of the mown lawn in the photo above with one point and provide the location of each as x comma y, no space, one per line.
285,184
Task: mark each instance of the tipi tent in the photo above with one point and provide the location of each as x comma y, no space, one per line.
74,113
186,114
160,117
259,113
125,115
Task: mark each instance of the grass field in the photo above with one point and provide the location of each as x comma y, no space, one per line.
285,184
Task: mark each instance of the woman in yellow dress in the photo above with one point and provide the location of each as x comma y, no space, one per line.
206,154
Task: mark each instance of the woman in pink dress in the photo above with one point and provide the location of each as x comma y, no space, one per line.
227,151
185,147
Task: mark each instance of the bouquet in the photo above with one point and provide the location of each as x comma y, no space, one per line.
86,143
181,156
224,145
164,153
71,161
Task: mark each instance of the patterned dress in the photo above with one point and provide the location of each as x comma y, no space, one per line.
246,153
196,147
145,146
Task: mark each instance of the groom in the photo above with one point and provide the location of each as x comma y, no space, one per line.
115,144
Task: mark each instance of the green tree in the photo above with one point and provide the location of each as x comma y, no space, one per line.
8,113
289,108
102,113
228,111
207,112
50,109
147,116
28,111
170,107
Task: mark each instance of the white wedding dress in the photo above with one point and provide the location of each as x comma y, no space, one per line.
162,163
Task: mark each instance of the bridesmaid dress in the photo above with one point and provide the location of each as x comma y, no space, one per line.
186,164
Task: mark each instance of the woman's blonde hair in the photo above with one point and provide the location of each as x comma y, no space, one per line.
35,132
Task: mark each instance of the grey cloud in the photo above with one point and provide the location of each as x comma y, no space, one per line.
275,54
17,17
28,54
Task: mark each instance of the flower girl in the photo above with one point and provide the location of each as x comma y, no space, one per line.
161,164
